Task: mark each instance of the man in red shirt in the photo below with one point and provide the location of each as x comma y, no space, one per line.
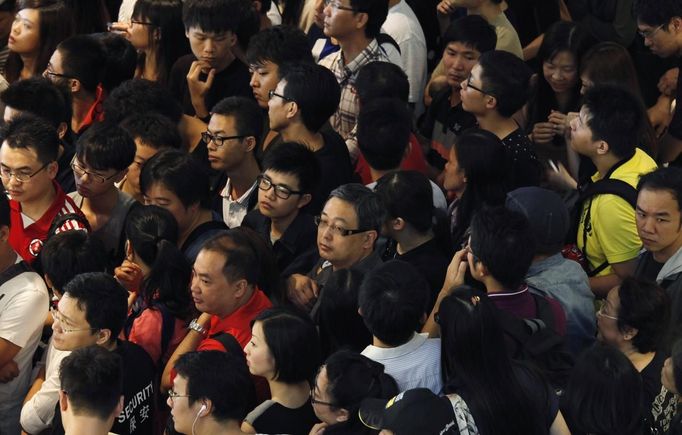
28,166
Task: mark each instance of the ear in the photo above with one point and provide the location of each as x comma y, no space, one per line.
603,148
630,333
121,175
491,102
209,407
157,34
676,24
304,200
103,336
250,144
119,406
75,85
342,415
62,129
397,224
361,20
242,286
4,233
52,169
257,5
292,110
370,238
63,401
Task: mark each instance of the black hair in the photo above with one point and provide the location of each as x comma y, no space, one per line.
473,31
505,77
240,258
248,116
89,16
340,324
656,12
106,146
383,132
153,130
92,378
103,300
376,11
84,59
70,253
4,212
479,369
220,377
393,301
248,22
153,233
297,160
604,394
408,195
121,59
293,342
615,117
40,97
315,90
27,131
381,80
668,179
137,97
279,45
365,203
210,16
503,241
646,307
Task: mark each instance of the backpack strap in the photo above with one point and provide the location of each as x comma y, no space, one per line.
13,271
543,311
167,327
385,38
230,343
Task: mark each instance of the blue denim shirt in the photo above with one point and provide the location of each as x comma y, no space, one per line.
565,281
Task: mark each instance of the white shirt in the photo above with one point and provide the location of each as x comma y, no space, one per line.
415,364
235,210
125,12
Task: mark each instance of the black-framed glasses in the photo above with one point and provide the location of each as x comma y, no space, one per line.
467,84
172,395
22,177
314,401
339,7
142,23
272,93
648,34
207,137
323,224
47,74
80,171
281,191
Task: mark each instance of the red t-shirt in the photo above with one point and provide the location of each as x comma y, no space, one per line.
413,161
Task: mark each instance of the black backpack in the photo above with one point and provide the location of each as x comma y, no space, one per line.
535,341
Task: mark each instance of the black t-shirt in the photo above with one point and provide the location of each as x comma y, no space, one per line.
335,169
523,166
274,418
232,81
429,259
647,267
65,173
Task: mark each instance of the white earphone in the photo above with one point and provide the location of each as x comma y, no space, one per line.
202,409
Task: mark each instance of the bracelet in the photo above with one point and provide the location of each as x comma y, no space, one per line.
196,326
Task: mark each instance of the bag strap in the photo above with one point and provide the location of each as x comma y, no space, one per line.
385,38
13,271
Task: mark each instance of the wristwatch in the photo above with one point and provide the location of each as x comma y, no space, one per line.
196,326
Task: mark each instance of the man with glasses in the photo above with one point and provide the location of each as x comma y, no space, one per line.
27,168
235,128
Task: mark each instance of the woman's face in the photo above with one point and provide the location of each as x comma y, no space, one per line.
139,33
258,356
24,37
607,320
561,72
454,179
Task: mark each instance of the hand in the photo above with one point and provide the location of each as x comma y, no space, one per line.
122,29
668,82
660,116
302,290
560,122
445,8
543,132
8,372
129,275
454,277
318,429
561,180
197,88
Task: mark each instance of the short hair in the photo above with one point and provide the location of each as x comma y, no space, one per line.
646,307
393,301
383,132
248,116
279,45
365,203
381,80
5,212
315,90
27,131
293,342
153,130
41,97
121,59
223,378
376,11
83,58
103,300
503,241
106,146
656,12
615,117
211,16
139,96
70,253
668,179
92,378
505,77
473,31
297,160
408,195
240,260
179,172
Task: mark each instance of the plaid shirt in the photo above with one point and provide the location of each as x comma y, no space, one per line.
345,118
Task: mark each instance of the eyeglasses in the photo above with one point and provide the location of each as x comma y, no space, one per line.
219,140
272,93
314,401
142,23
21,177
79,171
59,317
601,313
334,4
467,84
283,192
323,224
648,34
172,395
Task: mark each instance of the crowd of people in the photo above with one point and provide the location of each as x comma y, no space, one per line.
363,217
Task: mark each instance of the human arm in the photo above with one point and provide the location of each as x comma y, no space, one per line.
667,84
8,351
188,344
302,290
660,114
559,426
601,285
454,277
198,88
37,384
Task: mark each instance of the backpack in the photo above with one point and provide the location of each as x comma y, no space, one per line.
536,342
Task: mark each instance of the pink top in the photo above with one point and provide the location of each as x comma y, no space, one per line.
146,331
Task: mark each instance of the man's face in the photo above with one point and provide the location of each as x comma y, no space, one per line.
70,329
211,291
271,204
214,49
264,78
55,69
459,59
340,20
664,40
659,223
341,251
182,412
159,195
24,161
92,183
232,152
474,99
278,108
581,138
142,154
